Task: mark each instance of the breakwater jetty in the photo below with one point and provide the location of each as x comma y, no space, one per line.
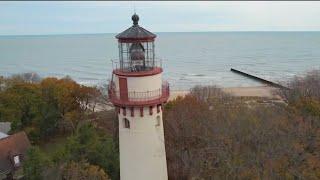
258,79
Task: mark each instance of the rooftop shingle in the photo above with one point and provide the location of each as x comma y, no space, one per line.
16,144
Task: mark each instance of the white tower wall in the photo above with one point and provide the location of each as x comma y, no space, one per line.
142,147
141,84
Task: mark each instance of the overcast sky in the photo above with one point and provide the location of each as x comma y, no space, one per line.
108,17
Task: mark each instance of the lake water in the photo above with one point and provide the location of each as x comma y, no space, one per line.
188,58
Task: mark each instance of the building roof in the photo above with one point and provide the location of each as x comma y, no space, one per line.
136,32
16,144
3,135
5,127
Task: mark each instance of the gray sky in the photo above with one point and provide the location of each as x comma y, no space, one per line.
109,17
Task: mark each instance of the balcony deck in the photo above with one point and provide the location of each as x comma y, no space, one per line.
147,98
154,71
134,69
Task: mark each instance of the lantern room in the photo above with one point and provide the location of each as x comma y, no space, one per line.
136,48
137,75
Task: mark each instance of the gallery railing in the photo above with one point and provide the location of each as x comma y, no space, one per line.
134,96
136,65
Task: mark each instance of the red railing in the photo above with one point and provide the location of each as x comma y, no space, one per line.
139,98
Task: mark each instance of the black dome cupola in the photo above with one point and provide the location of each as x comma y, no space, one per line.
135,19
136,32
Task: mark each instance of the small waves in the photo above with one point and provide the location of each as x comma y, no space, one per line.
197,75
87,58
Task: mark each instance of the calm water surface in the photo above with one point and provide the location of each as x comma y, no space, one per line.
188,58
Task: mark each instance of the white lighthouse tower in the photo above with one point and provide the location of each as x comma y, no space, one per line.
138,93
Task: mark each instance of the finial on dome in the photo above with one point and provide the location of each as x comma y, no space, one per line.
135,19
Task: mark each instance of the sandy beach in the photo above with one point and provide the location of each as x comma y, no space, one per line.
257,91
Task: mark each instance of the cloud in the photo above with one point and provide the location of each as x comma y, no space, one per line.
114,16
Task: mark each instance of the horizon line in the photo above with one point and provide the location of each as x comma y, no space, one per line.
62,34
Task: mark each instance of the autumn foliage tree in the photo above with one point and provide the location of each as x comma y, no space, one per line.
303,98
45,107
83,171
212,135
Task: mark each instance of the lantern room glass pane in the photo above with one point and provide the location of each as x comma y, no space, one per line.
136,56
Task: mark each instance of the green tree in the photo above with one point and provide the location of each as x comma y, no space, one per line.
89,145
35,164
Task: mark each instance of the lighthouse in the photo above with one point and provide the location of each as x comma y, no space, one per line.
138,93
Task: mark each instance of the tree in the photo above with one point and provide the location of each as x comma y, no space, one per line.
83,171
104,97
35,164
71,100
221,137
89,145
49,107
302,90
21,100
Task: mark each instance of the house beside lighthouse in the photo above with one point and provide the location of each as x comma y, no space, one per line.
138,93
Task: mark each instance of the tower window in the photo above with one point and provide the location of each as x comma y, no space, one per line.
124,112
158,121
158,108
126,123
151,110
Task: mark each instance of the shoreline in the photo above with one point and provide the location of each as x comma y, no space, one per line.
251,91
